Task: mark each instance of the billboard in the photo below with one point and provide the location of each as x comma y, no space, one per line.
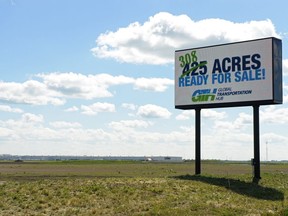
235,74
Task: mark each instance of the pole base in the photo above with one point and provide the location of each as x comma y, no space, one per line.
256,180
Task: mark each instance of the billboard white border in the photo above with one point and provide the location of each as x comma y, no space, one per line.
277,92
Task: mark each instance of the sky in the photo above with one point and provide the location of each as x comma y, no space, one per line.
97,78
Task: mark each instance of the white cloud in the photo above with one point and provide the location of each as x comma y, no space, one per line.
187,129
29,92
95,108
273,115
285,67
28,135
206,113
5,132
185,115
5,108
285,93
240,122
30,132
32,118
75,85
129,106
274,138
124,124
72,109
26,122
244,119
56,88
212,114
41,140
155,41
64,124
153,84
153,111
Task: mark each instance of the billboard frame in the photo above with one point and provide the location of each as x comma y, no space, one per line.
277,98
276,78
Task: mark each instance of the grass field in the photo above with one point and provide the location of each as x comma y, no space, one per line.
141,188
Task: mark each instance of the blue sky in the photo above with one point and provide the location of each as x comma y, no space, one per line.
97,78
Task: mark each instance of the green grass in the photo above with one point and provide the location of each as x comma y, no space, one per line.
95,188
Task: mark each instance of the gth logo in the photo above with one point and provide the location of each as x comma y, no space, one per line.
202,95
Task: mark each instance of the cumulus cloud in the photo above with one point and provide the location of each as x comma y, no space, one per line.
206,113
129,106
72,109
64,124
44,140
153,84
240,122
32,118
273,115
285,93
153,111
95,108
244,119
29,92
124,124
96,86
212,114
5,132
56,88
155,41
274,138
75,85
30,129
185,115
26,121
6,108
285,67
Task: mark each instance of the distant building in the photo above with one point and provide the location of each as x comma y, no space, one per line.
65,157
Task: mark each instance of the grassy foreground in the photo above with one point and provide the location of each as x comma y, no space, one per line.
126,188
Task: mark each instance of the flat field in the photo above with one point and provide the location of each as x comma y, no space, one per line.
141,188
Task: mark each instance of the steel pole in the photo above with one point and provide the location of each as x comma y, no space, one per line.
256,160
198,141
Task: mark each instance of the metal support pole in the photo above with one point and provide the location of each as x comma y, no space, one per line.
198,141
256,161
